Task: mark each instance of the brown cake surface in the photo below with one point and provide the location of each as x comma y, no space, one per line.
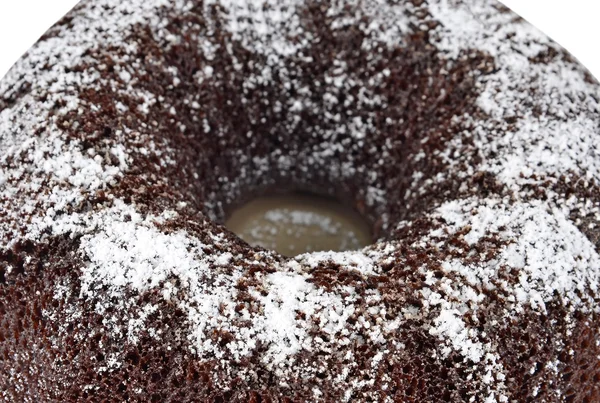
467,137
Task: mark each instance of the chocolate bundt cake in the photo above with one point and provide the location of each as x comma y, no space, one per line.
467,138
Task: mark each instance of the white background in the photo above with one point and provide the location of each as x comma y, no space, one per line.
572,23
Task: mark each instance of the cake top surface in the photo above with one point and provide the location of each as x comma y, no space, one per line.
107,124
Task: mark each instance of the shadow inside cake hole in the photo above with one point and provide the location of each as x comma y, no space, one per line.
296,223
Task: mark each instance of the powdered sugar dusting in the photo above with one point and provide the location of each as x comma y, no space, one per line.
362,261
513,247
48,158
571,269
555,134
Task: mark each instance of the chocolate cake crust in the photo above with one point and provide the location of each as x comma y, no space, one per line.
465,136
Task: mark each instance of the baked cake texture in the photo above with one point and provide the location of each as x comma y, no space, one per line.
467,137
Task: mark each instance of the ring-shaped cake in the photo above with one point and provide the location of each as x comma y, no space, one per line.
466,137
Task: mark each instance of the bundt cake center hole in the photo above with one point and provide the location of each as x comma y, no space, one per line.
296,223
